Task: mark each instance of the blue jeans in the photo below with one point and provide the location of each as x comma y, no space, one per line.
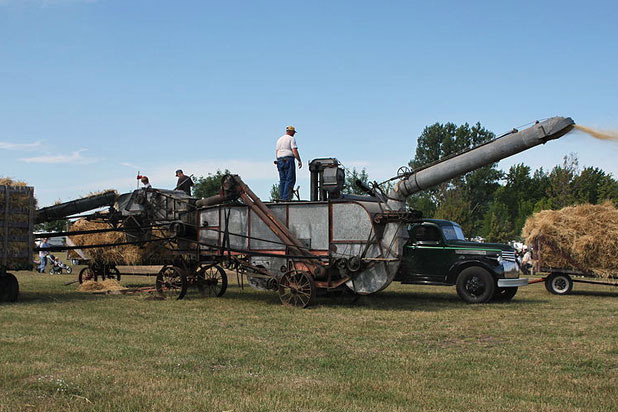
43,264
287,176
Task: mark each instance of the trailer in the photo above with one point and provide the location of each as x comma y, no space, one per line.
559,281
16,212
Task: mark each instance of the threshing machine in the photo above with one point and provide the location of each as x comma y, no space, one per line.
331,242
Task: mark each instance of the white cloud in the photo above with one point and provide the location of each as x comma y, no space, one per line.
130,165
75,157
20,146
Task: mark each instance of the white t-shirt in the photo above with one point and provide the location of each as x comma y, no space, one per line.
284,146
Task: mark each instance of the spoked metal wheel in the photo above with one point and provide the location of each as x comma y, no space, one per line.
171,282
211,281
87,274
297,288
113,273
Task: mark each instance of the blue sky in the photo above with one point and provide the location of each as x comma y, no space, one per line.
93,91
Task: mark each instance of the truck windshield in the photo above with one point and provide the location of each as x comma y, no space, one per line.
453,232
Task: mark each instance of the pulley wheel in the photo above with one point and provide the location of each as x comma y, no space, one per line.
171,282
211,281
297,288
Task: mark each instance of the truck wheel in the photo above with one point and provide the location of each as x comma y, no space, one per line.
475,285
559,284
505,294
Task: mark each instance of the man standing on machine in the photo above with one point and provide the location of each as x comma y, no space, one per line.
286,151
184,182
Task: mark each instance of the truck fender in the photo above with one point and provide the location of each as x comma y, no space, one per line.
457,267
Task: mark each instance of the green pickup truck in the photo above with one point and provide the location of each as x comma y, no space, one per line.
437,253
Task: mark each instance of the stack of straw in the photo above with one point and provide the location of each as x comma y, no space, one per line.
581,237
118,255
19,249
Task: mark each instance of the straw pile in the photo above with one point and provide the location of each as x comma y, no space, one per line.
118,255
19,251
581,237
107,284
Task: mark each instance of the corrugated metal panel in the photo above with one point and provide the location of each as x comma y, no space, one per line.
261,231
309,223
350,222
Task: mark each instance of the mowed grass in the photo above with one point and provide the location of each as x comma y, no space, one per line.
407,348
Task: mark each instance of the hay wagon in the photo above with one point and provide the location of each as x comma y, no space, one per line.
16,210
560,280
575,244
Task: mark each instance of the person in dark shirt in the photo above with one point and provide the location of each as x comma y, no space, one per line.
184,182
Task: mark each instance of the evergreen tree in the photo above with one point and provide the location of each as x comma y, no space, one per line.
209,185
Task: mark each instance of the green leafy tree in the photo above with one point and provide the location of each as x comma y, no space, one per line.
560,189
209,185
350,187
594,186
456,207
55,226
274,192
476,188
497,225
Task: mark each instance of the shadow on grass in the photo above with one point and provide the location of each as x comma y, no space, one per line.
386,300
598,293
46,297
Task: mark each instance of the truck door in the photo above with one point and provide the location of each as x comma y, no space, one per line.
428,259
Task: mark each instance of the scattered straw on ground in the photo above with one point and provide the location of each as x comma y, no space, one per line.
581,237
106,285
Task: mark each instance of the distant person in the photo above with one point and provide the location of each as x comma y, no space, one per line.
184,182
43,254
145,182
286,151
526,260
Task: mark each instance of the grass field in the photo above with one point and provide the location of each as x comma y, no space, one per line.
408,348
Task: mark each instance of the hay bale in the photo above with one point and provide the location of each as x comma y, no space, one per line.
17,218
6,181
117,255
581,237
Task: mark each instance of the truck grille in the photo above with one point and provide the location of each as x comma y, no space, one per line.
508,255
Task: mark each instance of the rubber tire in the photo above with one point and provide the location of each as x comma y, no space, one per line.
9,288
69,270
559,284
82,275
480,275
505,294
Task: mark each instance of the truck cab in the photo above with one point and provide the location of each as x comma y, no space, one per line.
437,253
